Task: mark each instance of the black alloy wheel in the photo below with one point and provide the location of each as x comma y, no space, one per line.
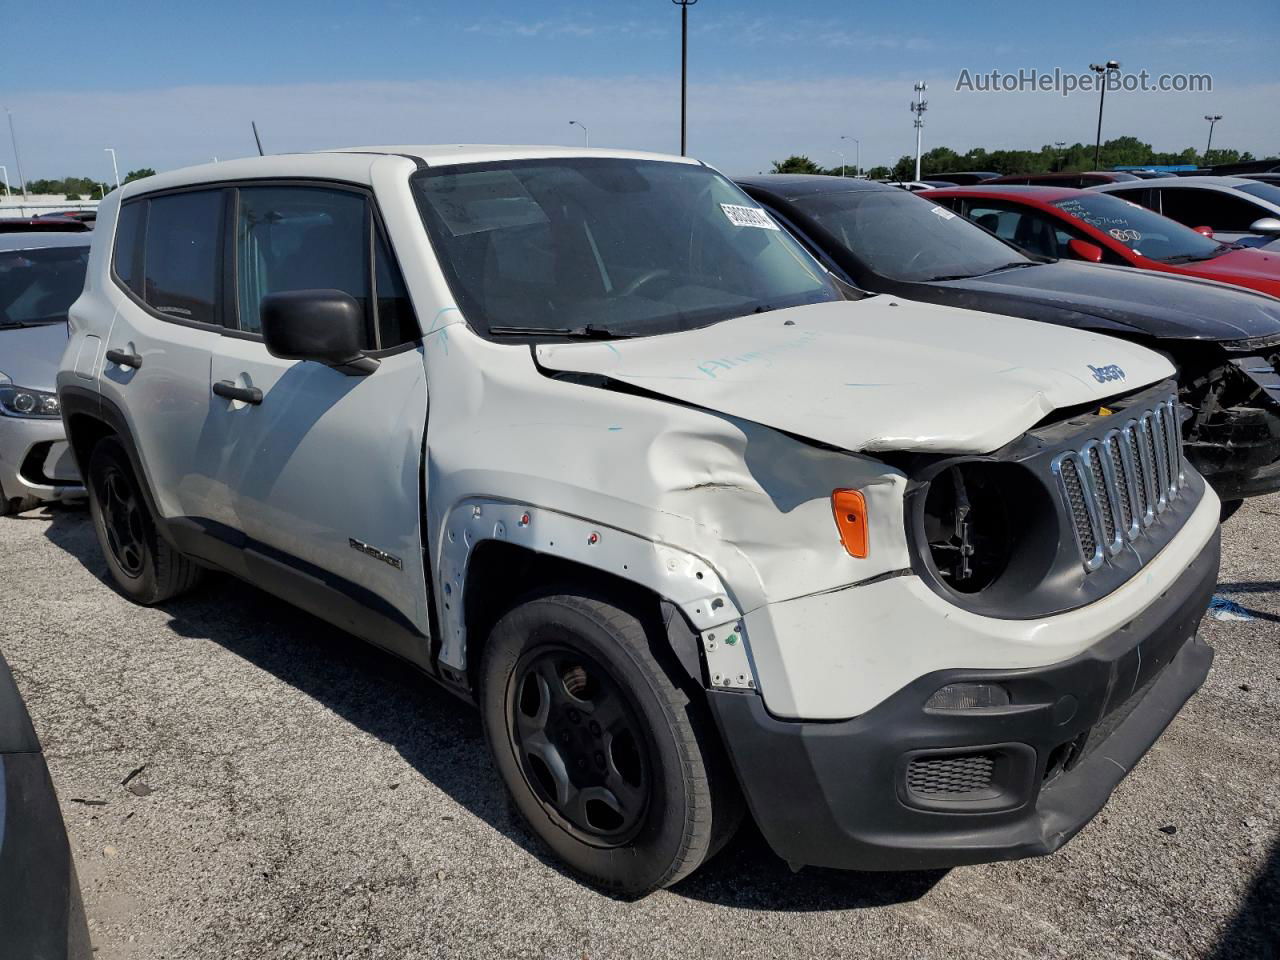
122,519
580,744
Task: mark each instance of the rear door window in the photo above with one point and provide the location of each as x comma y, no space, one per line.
1216,209
1142,196
182,255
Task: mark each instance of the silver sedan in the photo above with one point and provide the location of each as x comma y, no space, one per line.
41,275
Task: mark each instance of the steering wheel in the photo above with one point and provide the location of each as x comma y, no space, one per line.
647,277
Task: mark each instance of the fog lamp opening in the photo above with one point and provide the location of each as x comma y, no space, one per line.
956,697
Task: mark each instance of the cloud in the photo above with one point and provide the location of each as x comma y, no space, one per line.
738,123
561,27
833,34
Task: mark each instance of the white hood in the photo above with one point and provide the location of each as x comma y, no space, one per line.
877,374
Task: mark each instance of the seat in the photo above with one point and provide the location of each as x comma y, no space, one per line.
1036,235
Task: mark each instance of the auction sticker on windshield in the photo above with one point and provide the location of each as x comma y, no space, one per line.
748,217
942,212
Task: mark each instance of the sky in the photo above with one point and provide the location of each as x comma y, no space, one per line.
175,83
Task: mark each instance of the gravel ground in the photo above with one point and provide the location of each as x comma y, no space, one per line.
309,797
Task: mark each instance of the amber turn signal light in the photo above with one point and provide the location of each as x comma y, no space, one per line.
850,509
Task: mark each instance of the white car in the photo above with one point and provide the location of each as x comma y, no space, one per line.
1235,209
41,275
582,435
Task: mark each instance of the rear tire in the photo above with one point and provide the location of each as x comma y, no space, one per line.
619,771
145,568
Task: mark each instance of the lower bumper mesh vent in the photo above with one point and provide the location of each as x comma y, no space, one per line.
953,777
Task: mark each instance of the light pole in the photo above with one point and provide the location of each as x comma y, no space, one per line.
1212,118
857,156
22,181
115,169
1062,157
585,133
1103,70
918,106
840,154
5,171
684,6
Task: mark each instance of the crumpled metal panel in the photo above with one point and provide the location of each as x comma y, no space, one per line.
877,374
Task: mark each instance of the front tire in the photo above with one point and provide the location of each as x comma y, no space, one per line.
613,766
145,568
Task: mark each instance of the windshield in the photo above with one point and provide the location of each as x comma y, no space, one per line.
1263,191
39,286
608,247
907,237
1144,232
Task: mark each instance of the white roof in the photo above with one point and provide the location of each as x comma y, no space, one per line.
449,153
1164,183
354,163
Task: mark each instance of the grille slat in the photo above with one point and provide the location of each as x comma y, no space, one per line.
1102,491
1124,481
1115,487
1146,503
1077,501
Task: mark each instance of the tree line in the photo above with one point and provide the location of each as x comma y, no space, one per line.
1051,158
80,188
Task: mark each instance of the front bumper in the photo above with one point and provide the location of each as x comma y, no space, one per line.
902,788
36,460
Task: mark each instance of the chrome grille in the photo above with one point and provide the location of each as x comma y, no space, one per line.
1116,486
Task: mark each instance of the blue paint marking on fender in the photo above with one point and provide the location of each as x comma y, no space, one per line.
443,330
1108,373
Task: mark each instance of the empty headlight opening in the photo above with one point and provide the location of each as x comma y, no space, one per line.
990,527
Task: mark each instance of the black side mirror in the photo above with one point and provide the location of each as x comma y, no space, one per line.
326,326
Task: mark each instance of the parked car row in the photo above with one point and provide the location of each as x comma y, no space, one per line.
654,467
1233,209
1224,341
1241,209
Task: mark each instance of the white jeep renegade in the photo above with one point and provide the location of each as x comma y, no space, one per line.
583,436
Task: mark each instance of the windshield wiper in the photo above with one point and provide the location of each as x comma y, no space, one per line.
23,324
982,273
1197,257
588,332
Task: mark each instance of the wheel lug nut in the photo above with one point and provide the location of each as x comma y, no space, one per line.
595,729
599,759
574,716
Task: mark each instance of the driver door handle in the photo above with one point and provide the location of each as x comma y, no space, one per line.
123,359
226,388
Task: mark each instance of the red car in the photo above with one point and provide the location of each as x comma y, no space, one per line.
33,224
1096,227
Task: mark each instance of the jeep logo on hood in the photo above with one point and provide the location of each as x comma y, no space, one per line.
1105,374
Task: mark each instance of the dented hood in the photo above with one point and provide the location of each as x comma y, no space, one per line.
876,374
